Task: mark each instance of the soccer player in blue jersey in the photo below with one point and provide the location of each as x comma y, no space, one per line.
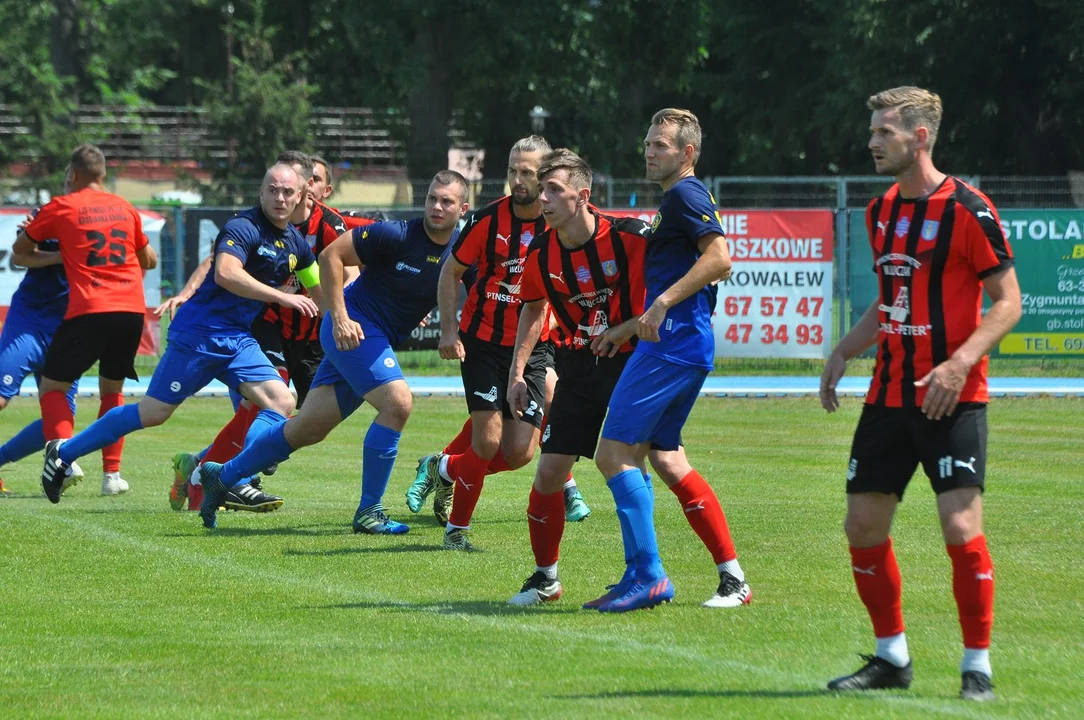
37,309
686,255
256,253
401,264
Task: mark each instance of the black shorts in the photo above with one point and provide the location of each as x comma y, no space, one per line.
110,339
585,383
889,444
303,357
485,378
549,353
269,337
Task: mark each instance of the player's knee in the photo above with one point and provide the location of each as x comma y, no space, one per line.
3,403
608,459
960,528
485,447
154,414
549,480
863,530
517,457
303,434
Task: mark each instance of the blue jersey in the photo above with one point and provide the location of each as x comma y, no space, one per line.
41,299
398,285
687,213
269,254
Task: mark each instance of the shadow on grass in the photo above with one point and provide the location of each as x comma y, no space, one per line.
472,607
416,548
322,531
693,693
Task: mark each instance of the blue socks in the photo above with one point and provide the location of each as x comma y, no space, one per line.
106,430
28,441
635,506
378,458
267,448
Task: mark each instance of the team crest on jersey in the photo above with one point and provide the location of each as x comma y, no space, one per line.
655,221
929,229
311,240
903,226
293,262
526,237
609,267
583,274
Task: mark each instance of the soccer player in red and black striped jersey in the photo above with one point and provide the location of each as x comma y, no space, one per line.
589,268
937,244
495,243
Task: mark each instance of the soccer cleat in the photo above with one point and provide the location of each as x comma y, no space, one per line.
77,472
426,480
184,464
641,595
977,686
56,476
539,588
247,498
374,521
876,674
575,508
214,493
442,501
456,539
113,484
732,592
612,591
3,490
271,469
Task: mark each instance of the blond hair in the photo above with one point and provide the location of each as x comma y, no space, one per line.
918,108
579,172
687,128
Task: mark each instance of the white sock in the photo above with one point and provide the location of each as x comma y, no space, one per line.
978,661
894,650
451,527
442,469
732,567
550,570
194,478
570,484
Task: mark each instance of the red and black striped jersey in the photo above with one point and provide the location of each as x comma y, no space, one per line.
323,227
354,219
593,287
931,255
496,242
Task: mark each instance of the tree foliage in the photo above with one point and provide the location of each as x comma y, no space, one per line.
779,87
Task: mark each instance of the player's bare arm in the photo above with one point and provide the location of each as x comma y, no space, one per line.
26,253
170,306
148,258
608,343
334,260
531,320
450,346
946,381
230,274
862,336
713,265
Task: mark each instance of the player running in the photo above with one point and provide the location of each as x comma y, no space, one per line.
401,264
104,253
937,243
255,254
686,255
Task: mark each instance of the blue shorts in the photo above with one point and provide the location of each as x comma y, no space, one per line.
22,353
192,361
652,401
355,373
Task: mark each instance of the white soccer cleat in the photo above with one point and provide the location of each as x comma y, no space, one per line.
113,484
77,472
538,589
732,593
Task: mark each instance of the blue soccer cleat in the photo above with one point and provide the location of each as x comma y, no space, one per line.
641,595
374,521
214,493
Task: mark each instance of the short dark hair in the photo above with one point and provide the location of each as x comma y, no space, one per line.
579,172
686,128
87,159
451,177
296,157
317,160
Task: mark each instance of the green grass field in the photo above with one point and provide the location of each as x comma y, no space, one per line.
118,607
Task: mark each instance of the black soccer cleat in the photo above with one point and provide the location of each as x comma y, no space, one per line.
977,686
876,674
55,474
249,499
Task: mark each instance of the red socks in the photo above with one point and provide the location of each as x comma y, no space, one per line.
877,577
705,515
111,453
498,464
468,472
973,586
461,442
231,438
56,416
546,520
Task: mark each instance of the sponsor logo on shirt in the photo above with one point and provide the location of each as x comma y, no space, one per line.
403,267
266,251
